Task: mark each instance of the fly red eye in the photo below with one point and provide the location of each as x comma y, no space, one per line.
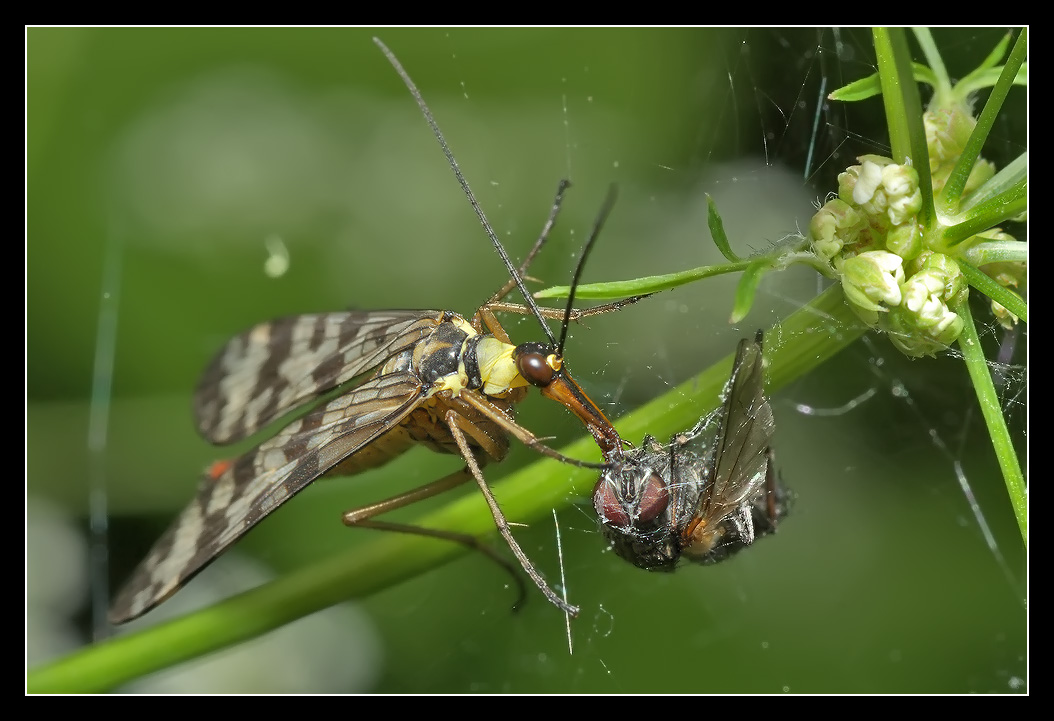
653,499
535,369
648,504
608,505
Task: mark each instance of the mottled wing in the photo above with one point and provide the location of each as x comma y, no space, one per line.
273,367
747,425
226,507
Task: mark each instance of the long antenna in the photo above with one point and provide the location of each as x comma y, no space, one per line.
605,211
527,297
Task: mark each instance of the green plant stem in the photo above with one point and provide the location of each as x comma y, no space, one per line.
942,86
1004,296
986,214
900,97
948,201
616,290
1013,174
996,251
977,365
793,348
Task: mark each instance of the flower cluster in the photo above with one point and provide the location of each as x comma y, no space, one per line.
903,274
871,237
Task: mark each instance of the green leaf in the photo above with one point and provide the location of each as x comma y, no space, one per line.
988,78
717,231
987,73
871,86
747,289
997,54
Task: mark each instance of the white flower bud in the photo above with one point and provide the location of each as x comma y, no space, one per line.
873,278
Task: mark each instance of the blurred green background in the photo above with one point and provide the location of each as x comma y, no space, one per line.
165,166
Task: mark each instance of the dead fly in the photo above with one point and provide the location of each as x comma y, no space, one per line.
403,377
708,494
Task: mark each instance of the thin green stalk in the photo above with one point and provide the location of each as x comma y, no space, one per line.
900,97
952,192
996,251
942,85
1003,296
1013,174
989,213
977,365
616,290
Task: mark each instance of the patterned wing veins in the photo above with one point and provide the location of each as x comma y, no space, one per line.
273,367
227,506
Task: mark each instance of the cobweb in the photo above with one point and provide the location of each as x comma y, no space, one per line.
900,568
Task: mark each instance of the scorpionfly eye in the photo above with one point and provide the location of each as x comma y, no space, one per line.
533,363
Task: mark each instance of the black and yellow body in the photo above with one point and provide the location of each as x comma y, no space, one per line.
423,366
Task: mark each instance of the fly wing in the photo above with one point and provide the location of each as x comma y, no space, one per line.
741,456
275,366
229,504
